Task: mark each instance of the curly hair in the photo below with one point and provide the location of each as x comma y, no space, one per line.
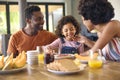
29,11
63,21
98,11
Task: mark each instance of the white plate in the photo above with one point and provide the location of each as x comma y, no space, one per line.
84,61
12,70
69,72
63,56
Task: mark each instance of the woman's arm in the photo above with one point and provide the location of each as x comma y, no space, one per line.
108,32
86,41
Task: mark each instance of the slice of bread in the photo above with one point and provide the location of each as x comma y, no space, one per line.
63,65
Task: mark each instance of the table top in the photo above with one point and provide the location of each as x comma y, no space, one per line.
109,71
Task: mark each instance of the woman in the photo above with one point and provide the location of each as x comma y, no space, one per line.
97,14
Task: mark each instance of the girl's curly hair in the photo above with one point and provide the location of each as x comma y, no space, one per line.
64,20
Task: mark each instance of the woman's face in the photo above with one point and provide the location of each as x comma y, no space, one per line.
88,24
69,31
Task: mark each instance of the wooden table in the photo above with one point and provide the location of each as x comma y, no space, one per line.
109,71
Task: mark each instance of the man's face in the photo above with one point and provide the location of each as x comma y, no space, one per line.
37,20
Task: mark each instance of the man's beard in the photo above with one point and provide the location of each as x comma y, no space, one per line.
38,27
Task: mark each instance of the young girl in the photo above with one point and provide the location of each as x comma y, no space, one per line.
67,29
98,14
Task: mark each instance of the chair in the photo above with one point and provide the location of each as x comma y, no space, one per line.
4,41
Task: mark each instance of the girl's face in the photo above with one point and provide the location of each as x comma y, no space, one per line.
69,31
88,24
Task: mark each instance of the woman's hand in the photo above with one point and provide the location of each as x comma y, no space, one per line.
83,39
86,41
80,38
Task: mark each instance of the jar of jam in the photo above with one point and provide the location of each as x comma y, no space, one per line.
48,58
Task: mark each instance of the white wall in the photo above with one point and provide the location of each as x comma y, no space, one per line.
116,5
74,10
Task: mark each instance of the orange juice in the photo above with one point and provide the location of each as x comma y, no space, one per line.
41,58
95,63
40,54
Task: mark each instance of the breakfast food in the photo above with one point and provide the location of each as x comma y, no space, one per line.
20,60
8,65
10,62
64,56
85,57
1,62
77,62
63,65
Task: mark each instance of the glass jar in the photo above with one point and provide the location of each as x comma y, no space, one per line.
94,62
48,58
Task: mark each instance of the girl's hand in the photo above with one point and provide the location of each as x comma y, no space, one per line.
48,50
86,53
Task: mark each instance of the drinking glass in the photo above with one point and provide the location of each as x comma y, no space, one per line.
40,54
94,61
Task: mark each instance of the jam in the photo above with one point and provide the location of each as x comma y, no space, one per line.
48,58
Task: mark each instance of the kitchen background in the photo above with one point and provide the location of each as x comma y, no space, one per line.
53,10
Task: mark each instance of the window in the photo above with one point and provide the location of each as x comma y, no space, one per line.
43,11
14,18
55,13
3,26
9,16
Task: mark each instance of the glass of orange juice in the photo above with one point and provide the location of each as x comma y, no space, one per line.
94,62
41,58
40,54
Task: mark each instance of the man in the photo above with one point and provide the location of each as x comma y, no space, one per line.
32,34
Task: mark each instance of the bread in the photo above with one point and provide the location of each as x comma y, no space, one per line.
63,65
